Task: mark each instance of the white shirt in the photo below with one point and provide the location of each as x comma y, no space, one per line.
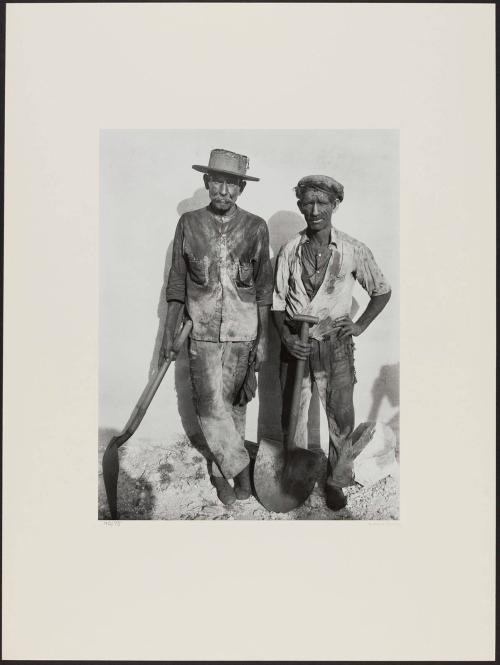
351,260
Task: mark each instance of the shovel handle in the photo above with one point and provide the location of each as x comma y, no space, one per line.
150,390
110,461
297,389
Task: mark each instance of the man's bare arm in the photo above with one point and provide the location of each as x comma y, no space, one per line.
262,336
373,309
292,342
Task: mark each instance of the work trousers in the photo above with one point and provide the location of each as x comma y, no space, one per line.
218,370
331,366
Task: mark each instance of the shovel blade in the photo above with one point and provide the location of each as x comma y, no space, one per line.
283,482
110,471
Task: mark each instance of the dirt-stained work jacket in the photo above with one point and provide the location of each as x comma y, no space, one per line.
222,272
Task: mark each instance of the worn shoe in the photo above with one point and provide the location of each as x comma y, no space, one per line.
242,488
225,492
335,498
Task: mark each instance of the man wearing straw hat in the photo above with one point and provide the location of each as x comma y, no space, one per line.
222,276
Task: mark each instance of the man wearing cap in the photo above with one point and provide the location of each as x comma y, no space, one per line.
315,275
221,274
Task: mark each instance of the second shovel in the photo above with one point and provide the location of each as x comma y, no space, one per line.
285,475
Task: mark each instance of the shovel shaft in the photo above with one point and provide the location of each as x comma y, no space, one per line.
150,390
145,400
285,476
110,461
297,389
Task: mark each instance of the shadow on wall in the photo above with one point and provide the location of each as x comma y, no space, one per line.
387,385
198,200
185,404
282,226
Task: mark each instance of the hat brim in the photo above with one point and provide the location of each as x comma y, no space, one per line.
205,169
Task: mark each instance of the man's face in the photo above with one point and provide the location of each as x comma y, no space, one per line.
223,190
317,208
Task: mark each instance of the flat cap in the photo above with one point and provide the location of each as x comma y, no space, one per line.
321,182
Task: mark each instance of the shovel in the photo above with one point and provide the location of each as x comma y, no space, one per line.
110,463
285,475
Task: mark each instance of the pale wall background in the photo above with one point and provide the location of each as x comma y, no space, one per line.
146,182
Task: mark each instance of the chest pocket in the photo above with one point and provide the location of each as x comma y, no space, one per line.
244,276
197,269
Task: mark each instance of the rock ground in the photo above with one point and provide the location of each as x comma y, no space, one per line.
171,482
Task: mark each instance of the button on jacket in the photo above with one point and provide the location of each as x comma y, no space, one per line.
222,272
350,260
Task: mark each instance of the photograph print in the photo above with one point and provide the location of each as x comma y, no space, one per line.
249,325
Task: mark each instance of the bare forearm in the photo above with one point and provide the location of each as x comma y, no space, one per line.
292,342
261,350
373,309
279,322
263,320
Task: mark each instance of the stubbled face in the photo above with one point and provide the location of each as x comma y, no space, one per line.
223,190
317,208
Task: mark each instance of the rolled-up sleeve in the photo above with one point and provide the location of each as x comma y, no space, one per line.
369,274
263,271
281,276
176,285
